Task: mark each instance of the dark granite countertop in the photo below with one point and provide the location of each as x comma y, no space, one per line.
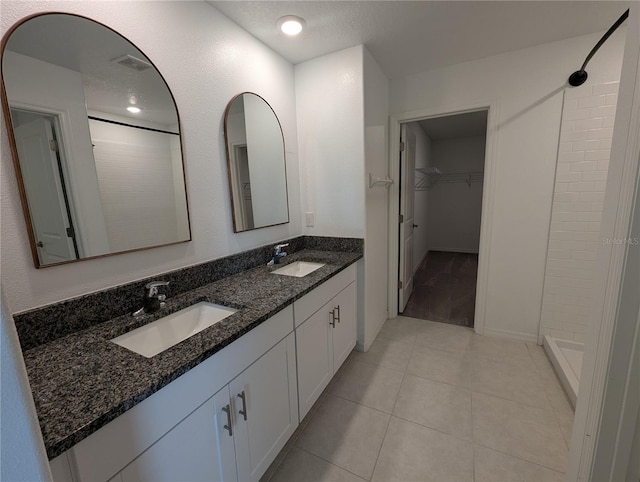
82,381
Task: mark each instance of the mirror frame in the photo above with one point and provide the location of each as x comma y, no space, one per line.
229,178
14,149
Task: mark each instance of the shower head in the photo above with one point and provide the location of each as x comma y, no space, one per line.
579,77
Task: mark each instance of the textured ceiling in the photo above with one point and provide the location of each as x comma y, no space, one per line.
407,37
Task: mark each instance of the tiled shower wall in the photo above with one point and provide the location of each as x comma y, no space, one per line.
574,238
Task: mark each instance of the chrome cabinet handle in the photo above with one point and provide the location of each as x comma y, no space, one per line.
243,397
333,318
338,308
227,410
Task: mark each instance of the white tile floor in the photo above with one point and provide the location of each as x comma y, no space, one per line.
434,402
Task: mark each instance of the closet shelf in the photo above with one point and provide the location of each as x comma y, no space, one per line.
429,180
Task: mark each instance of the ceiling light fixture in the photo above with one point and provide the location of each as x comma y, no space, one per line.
291,25
133,109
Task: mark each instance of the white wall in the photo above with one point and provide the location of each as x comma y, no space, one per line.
421,196
528,86
22,453
329,104
376,111
43,86
222,61
574,237
455,208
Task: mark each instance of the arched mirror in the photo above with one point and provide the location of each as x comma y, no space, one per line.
256,163
95,136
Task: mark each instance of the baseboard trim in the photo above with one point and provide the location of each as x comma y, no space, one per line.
514,335
364,347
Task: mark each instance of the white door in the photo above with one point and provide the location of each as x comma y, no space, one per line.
315,357
266,410
196,449
39,166
345,329
407,186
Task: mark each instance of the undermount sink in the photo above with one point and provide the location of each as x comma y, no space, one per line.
298,269
157,336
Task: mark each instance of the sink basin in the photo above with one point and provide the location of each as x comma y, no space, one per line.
157,336
298,269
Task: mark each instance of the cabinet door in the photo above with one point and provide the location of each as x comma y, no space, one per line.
345,331
314,356
266,409
196,449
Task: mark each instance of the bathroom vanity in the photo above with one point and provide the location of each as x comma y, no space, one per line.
219,405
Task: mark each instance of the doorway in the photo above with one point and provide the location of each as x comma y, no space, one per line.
43,170
442,170
445,166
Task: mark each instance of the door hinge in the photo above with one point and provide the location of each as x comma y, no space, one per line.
399,285
402,147
53,145
70,233
401,219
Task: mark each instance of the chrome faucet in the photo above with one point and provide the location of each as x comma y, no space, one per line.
152,301
277,254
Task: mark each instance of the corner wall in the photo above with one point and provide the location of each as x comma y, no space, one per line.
528,86
206,59
329,106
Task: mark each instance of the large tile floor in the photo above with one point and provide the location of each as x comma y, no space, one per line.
434,402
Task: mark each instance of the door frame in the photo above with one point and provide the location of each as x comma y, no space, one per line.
488,195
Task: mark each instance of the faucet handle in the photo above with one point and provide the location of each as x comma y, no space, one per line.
152,287
278,247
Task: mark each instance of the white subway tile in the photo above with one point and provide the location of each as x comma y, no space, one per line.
603,165
597,155
581,337
603,111
584,165
585,255
565,147
577,92
563,167
573,135
581,186
569,176
581,113
586,124
600,186
593,101
561,187
605,143
570,104
566,196
571,156
594,176
561,334
592,196
597,207
608,88
612,99
588,145
604,133
608,121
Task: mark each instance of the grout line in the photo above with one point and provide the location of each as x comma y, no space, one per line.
331,463
517,457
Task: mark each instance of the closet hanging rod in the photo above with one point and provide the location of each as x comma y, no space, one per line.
579,77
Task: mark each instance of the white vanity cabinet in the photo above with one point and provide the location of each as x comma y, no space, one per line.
326,332
244,425
195,428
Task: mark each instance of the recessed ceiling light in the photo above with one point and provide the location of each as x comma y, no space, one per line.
291,25
133,109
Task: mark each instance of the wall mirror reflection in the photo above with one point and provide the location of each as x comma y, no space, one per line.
96,141
256,163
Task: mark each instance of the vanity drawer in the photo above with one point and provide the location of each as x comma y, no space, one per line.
312,302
